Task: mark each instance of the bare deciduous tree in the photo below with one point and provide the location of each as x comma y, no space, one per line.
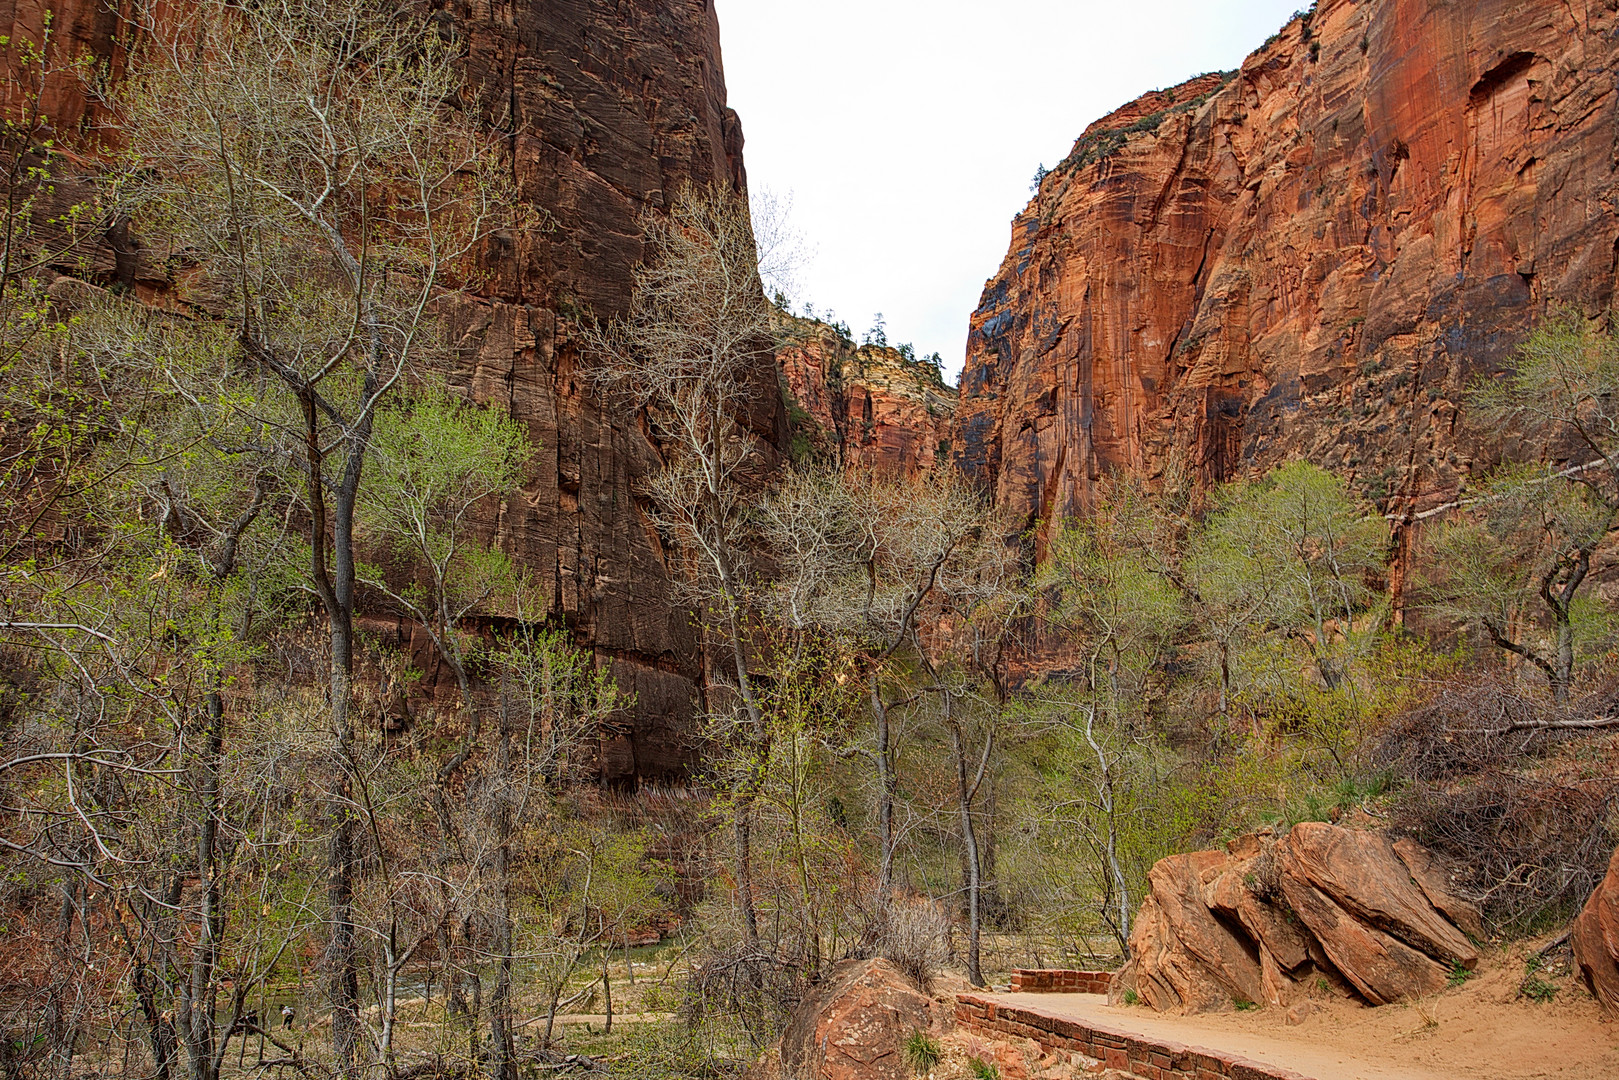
694,355
313,190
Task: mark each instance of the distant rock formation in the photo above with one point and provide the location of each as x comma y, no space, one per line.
869,407
1263,920
1309,257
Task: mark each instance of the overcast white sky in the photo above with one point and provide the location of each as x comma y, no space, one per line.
907,131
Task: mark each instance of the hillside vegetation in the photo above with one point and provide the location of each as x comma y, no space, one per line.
237,838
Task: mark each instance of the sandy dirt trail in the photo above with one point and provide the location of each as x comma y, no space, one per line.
1480,1031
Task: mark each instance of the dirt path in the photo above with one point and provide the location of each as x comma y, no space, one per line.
1480,1031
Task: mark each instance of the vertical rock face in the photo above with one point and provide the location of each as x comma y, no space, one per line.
1309,257
870,407
612,106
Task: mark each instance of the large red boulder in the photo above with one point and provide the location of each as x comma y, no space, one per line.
1596,939
1361,872
1435,883
1190,960
1269,916
854,1023
1382,968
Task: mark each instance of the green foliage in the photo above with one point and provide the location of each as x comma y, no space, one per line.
436,458
1533,986
1244,1005
983,1070
1458,975
1294,635
922,1051
1130,997
1329,804
1516,563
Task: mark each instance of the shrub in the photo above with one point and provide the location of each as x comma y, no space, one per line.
911,932
1522,808
922,1052
1533,986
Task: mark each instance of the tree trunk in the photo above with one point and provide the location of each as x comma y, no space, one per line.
1111,841
502,1046
1563,666
160,1033
885,791
197,1002
607,984
743,812
965,790
335,587
342,868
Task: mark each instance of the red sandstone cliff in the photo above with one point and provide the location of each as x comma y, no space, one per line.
1308,258
868,407
613,105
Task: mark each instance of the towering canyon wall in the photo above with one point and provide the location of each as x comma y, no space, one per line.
611,106
1308,258
868,407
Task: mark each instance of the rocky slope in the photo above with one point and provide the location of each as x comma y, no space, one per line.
868,407
1309,257
613,105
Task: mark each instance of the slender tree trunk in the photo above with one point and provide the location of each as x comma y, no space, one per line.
885,791
197,1003
160,1034
502,1046
743,828
342,867
1104,792
969,841
390,997
335,587
747,784
1563,666
607,984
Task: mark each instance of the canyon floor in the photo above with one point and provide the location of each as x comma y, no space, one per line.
1481,1030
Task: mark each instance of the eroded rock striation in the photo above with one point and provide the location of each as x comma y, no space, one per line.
611,106
1305,258
869,407
1267,918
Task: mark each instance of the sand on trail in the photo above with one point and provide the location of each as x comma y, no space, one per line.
1482,1030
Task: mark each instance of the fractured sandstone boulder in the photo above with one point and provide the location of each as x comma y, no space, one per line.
1270,916
1360,872
1595,938
853,1025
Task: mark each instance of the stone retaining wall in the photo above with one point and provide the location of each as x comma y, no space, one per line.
1059,981
1141,1056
